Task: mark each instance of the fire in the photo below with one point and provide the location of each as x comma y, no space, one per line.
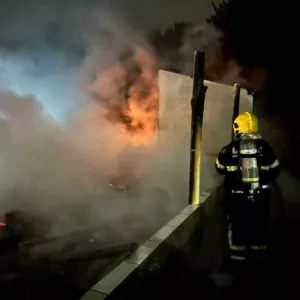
119,129
128,93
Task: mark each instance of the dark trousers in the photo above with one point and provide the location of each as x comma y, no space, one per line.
249,217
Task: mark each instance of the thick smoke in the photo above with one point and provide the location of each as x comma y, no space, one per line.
207,39
89,127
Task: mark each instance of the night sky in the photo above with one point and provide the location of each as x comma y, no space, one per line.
161,14
43,43
23,15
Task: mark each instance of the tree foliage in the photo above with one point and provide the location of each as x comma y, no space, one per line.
263,33
168,43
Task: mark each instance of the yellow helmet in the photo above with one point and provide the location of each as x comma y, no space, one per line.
245,123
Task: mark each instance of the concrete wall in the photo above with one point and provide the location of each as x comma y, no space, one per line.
175,123
128,278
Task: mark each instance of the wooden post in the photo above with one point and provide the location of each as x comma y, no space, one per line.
236,106
197,103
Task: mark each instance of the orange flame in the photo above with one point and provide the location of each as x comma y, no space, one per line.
129,95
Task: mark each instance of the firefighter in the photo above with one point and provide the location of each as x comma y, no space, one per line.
250,167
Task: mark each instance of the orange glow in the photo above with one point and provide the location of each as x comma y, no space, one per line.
128,93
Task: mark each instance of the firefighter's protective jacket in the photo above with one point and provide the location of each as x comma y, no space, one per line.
228,162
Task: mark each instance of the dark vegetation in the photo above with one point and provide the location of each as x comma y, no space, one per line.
168,44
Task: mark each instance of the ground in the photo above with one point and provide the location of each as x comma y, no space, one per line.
200,270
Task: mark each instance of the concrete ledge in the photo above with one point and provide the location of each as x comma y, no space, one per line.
151,255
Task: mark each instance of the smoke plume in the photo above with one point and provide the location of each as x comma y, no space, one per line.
78,127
